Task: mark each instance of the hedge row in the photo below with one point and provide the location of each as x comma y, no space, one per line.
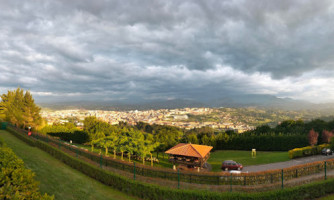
149,191
307,151
78,137
17,182
263,142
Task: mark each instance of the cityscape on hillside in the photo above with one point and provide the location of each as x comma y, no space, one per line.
236,119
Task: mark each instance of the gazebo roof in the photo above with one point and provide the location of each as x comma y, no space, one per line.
191,150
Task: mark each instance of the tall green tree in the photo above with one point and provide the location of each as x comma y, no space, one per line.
145,146
121,143
18,107
30,111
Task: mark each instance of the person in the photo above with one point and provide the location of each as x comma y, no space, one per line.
29,132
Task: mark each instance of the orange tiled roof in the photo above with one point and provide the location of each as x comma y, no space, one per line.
191,150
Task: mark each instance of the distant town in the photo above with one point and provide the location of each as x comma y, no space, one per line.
187,118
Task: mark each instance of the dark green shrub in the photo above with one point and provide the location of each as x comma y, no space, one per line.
78,137
262,142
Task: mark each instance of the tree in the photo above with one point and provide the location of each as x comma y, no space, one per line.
31,111
18,107
103,143
326,136
167,137
113,138
192,138
122,142
95,139
145,146
131,144
313,137
205,140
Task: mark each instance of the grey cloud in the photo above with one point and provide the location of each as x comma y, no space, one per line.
134,48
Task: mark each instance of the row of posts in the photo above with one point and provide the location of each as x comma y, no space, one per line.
231,177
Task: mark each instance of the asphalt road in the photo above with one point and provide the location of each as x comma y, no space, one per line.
290,163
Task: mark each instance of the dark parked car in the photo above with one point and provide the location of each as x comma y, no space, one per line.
231,165
326,152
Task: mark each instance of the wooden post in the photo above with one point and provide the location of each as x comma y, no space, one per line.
231,182
325,170
282,179
178,178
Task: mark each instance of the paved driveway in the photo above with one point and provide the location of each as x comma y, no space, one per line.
281,165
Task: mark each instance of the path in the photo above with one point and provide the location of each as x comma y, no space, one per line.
286,164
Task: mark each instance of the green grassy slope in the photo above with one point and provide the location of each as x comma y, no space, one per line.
58,179
244,157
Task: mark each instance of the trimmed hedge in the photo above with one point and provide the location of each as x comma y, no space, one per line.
78,137
149,191
306,151
262,142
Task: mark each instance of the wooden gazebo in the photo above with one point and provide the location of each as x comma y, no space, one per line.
189,154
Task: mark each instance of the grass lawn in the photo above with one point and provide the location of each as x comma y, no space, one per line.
245,158
58,179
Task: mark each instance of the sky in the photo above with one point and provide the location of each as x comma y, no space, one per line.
145,50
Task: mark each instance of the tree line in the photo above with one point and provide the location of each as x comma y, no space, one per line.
132,139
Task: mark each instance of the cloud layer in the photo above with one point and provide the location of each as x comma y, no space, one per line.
137,50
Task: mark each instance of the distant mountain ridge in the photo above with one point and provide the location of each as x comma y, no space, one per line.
255,100
266,101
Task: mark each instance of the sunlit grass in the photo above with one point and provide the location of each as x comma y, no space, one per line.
245,158
58,179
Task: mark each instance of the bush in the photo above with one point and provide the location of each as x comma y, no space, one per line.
306,151
332,144
16,182
296,153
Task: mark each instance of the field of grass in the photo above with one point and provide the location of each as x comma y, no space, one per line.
58,179
245,158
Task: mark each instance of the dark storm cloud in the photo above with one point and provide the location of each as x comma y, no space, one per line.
162,49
